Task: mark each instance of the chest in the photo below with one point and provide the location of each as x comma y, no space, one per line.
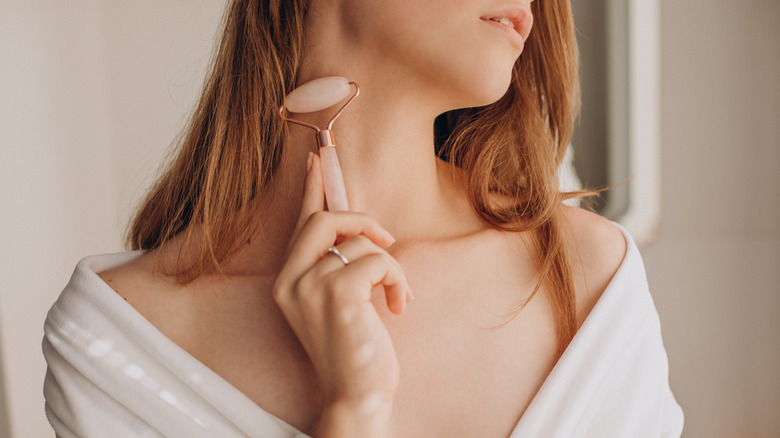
471,359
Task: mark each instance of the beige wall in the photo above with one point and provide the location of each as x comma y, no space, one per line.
91,94
94,90
57,194
715,267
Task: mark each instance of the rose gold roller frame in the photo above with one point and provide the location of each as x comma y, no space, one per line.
335,191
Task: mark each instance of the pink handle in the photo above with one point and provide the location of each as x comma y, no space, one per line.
335,192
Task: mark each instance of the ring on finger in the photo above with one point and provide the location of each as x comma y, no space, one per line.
333,250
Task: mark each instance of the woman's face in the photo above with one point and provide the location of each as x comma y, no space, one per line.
462,51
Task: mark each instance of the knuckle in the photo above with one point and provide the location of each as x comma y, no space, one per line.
278,292
304,288
376,258
317,219
394,262
280,289
394,268
306,296
360,216
380,258
362,240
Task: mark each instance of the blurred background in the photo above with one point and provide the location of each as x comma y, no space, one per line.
92,92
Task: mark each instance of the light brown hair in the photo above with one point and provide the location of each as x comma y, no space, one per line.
233,143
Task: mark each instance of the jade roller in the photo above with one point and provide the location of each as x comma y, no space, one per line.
318,95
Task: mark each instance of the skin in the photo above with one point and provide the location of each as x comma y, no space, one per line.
339,350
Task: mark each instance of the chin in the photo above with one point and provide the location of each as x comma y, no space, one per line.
494,93
482,90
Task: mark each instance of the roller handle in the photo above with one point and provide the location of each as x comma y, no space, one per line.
335,192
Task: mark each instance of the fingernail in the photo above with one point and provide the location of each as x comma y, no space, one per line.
309,162
409,295
388,235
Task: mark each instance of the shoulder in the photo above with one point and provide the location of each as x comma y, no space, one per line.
596,239
128,279
596,249
143,286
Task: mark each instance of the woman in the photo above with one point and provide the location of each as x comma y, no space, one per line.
458,287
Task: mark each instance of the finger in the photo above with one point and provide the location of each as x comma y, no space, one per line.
373,270
352,249
313,192
321,231
355,248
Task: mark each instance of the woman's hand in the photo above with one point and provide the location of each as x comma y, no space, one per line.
328,305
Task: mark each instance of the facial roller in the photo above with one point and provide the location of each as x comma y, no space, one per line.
318,95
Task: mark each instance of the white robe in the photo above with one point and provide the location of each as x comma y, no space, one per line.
112,373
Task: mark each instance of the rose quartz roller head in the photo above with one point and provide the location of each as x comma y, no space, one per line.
318,95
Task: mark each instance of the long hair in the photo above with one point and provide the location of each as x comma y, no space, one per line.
233,144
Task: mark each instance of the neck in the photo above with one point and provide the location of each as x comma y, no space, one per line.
390,169
385,144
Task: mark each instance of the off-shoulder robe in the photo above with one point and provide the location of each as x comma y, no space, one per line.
112,373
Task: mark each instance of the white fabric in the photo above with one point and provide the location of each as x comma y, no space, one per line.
612,380
568,179
111,373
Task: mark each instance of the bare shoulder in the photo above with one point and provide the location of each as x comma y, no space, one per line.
129,279
597,240
596,249
141,285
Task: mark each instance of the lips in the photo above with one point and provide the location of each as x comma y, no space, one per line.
517,20
504,21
